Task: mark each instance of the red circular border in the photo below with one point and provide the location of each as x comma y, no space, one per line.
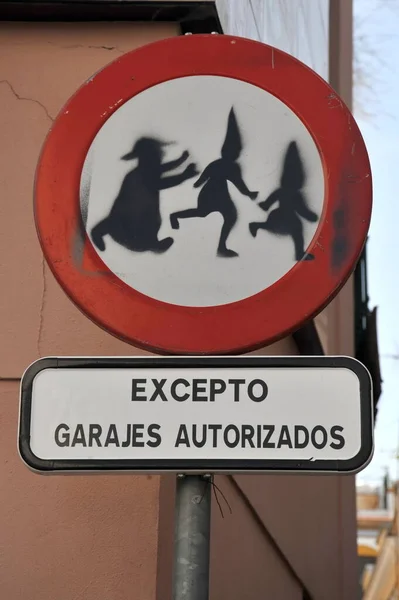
240,326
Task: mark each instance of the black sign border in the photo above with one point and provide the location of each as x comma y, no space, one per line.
350,466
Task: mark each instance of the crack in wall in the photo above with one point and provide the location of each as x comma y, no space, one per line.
106,48
44,289
73,46
42,306
19,97
68,46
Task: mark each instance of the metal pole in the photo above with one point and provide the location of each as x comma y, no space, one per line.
192,537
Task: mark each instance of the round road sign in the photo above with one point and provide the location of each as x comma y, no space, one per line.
203,194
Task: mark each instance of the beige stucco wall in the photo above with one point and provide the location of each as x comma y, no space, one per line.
109,537
80,537
60,537
246,561
41,66
320,513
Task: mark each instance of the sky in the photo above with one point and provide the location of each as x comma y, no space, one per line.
376,101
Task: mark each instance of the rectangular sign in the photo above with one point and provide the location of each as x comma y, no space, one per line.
237,414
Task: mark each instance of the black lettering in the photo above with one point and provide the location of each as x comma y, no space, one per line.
264,390
156,438
136,388
269,432
216,386
199,443
340,443
297,443
79,437
197,390
182,437
247,435
137,435
95,432
285,438
215,429
173,390
237,383
62,439
112,436
315,443
259,436
158,390
128,439
226,436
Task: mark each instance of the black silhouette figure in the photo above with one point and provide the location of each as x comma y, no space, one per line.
214,196
135,219
285,220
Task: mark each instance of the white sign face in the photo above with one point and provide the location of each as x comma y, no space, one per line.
202,191
201,415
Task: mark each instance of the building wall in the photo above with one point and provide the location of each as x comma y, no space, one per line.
318,531
80,537
341,310
111,537
299,28
61,538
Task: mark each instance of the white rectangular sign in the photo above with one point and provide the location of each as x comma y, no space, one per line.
196,414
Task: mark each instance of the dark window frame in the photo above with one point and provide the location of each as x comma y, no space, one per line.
194,17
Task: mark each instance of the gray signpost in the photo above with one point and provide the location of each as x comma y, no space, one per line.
192,537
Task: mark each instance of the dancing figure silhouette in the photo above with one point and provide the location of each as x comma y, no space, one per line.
285,220
214,196
135,219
